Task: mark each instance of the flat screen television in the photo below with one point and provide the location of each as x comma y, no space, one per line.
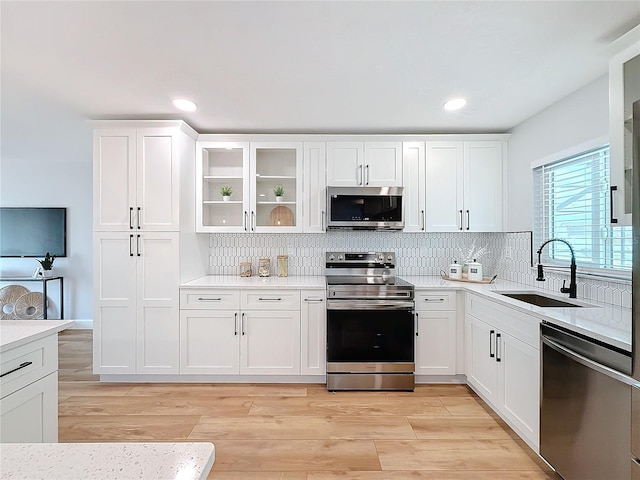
33,231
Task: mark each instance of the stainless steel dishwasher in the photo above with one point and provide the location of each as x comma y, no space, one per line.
585,412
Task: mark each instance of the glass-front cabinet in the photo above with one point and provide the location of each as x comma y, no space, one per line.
249,187
624,90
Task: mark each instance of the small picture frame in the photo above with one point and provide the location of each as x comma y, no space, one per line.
36,273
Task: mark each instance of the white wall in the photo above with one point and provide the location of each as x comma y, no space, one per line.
46,161
574,120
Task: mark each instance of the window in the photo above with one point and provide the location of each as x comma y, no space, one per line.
571,201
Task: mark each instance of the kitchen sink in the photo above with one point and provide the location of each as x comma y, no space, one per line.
539,300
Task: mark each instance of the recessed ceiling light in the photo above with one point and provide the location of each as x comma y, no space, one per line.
184,104
455,104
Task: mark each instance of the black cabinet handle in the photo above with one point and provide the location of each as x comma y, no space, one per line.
498,358
242,324
138,246
424,220
138,222
460,219
468,219
612,189
130,218
417,324
131,245
235,323
491,334
19,367
314,300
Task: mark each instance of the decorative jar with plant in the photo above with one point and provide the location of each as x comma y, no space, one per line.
279,193
226,192
47,264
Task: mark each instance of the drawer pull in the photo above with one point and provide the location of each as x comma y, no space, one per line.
434,299
20,367
261,299
201,299
314,300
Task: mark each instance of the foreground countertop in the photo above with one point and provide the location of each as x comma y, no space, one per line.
14,333
113,461
604,322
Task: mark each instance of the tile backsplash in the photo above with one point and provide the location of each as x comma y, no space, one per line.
417,254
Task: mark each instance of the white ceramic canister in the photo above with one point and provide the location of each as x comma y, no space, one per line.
475,271
455,271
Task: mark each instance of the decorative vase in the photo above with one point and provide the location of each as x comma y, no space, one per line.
226,198
278,199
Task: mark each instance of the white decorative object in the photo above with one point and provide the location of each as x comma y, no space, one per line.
278,199
226,198
475,271
455,270
9,295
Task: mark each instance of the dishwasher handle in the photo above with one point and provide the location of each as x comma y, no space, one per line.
587,362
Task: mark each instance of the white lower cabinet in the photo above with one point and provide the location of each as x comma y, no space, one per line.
136,278
29,388
260,335
436,343
503,363
313,332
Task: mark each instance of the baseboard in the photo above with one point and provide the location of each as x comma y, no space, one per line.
82,325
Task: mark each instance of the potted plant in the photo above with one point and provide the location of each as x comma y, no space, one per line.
47,264
226,192
279,193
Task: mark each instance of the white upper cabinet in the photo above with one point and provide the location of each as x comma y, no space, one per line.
624,90
253,171
314,202
413,172
369,164
463,188
136,179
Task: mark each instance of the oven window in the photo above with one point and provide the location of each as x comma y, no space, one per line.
370,336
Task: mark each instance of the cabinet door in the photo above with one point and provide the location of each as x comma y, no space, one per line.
273,165
30,415
158,325
382,164
114,302
114,179
413,173
315,199
209,341
483,186
624,90
313,335
436,343
444,186
270,342
482,368
345,163
158,179
519,398
220,164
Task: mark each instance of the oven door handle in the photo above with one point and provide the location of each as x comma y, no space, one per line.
609,372
369,305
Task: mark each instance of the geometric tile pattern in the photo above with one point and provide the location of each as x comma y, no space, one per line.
507,255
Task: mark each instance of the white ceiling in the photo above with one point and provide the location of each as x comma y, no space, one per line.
343,67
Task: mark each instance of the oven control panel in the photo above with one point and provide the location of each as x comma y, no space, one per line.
351,258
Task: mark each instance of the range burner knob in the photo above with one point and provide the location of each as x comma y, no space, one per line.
389,258
340,257
381,257
332,258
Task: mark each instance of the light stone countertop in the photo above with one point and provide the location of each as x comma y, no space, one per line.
14,333
102,461
236,281
602,321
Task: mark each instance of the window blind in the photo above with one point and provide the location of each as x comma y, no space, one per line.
571,201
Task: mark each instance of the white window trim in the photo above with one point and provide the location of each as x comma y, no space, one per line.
571,151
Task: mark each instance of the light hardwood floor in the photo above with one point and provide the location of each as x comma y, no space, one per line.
298,432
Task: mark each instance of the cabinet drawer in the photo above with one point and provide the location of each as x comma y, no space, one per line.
435,300
27,363
200,299
271,300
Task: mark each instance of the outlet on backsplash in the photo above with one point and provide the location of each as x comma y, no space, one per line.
507,253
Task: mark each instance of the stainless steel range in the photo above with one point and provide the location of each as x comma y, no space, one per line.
370,323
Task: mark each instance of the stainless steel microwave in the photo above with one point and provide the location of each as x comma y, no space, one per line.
365,208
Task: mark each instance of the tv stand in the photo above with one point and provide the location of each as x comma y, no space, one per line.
44,281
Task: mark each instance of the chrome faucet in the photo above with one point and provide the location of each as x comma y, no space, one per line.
572,282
